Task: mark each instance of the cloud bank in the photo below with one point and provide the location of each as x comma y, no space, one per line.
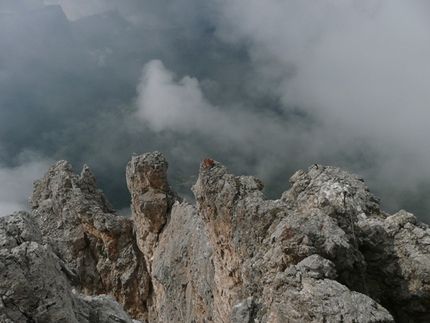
264,87
360,67
17,182
165,104
357,63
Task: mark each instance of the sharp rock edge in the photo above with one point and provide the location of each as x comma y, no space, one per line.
323,252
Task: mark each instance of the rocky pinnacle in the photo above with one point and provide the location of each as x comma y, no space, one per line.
322,252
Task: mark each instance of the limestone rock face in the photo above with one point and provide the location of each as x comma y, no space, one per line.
391,254
35,284
323,252
83,230
183,271
397,253
276,261
151,199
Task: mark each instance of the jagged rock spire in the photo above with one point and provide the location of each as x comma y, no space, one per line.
151,199
323,252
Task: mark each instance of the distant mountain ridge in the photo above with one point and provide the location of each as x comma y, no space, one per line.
323,252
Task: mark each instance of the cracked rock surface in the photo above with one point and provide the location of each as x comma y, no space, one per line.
97,246
34,286
323,252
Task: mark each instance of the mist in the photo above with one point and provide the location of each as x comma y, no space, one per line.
17,182
266,88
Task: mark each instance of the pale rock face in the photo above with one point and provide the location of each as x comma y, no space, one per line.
234,226
151,199
392,253
307,292
35,286
397,251
183,273
82,228
271,257
323,252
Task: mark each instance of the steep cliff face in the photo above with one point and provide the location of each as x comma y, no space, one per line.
323,252
97,246
36,285
151,199
390,254
276,261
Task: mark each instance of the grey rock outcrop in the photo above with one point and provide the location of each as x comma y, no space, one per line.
183,271
151,199
35,286
83,230
323,252
266,250
397,253
391,252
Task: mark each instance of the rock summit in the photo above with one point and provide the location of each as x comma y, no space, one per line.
323,252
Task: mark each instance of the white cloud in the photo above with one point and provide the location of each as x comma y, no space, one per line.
17,182
360,66
167,104
357,68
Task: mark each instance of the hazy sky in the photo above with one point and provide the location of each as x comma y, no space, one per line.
265,87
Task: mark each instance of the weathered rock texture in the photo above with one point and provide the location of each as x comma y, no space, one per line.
323,252
264,251
151,199
97,246
35,284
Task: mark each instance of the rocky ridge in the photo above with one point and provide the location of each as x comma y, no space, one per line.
323,252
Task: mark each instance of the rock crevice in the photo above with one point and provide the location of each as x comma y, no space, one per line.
323,252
